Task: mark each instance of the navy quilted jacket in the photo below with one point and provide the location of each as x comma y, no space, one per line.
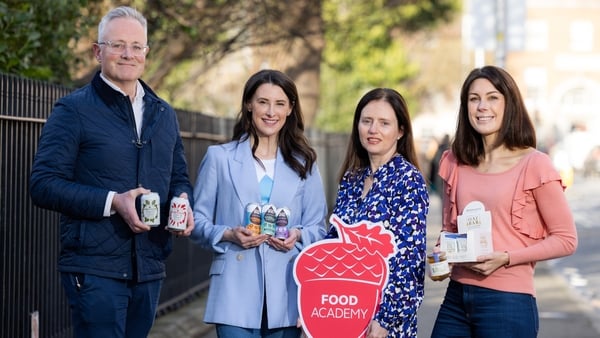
89,147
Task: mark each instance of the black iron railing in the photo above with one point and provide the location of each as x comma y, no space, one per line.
32,298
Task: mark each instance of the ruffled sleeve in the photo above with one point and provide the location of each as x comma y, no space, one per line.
537,171
449,173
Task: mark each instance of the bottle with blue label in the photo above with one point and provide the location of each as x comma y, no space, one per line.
439,269
268,219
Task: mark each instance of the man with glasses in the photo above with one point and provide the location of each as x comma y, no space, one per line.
104,146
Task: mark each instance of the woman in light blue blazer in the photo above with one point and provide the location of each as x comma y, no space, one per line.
269,161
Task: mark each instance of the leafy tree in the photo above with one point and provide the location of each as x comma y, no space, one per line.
38,37
208,31
192,39
364,50
335,50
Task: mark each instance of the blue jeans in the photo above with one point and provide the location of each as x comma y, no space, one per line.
106,307
228,331
474,312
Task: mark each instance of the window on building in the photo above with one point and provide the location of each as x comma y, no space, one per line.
536,35
575,96
536,82
582,36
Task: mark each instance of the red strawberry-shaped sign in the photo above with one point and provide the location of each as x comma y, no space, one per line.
340,280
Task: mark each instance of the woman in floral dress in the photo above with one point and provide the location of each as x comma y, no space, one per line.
381,182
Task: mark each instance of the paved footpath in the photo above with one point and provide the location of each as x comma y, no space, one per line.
563,313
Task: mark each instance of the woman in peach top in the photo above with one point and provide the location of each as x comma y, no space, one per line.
493,160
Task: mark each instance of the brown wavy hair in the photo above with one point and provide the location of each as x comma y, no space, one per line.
292,142
517,130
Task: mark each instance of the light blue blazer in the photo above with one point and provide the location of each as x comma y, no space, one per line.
226,183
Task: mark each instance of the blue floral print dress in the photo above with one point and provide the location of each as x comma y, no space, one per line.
399,199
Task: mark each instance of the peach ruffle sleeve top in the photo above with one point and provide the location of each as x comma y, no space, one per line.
531,218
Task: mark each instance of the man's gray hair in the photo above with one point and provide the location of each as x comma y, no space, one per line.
121,12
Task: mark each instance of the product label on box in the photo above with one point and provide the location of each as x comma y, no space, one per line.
474,237
439,268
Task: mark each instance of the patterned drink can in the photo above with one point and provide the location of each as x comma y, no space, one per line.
281,223
150,209
252,218
269,217
178,214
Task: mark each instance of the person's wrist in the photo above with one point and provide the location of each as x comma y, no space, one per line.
507,259
228,235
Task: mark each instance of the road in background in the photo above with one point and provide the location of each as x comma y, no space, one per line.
581,271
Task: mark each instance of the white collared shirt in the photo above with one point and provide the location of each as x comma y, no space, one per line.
137,103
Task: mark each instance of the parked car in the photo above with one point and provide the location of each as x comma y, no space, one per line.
591,164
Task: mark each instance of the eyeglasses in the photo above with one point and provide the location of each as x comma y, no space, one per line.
118,47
